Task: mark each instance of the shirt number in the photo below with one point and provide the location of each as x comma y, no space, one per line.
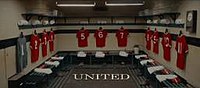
122,35
100,34
82,36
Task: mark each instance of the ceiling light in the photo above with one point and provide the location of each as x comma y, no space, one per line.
124,4
76,5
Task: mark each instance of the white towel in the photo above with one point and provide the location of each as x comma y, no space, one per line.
99,54
143,62
154,68
81,54
123,54
164,77
43,70
55,63
139,56
57,58
35,22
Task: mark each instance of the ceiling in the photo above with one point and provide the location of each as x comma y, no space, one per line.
100,10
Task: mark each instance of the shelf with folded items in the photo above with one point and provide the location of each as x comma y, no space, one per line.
33,26
166,25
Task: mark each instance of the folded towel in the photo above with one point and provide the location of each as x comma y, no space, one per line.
81,54
43,70
99,54
139,56
164,77
55,63
154,68
123,54
57,58
143,62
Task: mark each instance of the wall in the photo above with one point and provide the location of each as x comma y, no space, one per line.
191,73
68,42
11,11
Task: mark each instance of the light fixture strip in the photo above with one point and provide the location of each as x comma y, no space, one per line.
76,5
123,4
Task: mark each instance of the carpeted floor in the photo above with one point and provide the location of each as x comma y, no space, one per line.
66,79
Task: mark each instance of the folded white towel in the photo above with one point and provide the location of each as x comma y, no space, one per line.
99,54
22,22
43,70
45,22
81,54
154,68
164,77
55,63
123,54
57,58
52,22
143,62
139,56
35,22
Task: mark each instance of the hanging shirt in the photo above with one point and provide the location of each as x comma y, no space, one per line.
21,54
167,43
148,36
34,44
51,41
82,36
181,48
122,35
155,39
100,36
44,42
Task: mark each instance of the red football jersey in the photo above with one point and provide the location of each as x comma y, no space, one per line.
82,36
167,43
44,42
51,41
122,35
181,48
148,36
100,36
155,39
34,44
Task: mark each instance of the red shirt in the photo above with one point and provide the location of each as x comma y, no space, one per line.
82,36
100,36
122,35
155,39
181,48
148,36
34,44
51,41
44,42
167,43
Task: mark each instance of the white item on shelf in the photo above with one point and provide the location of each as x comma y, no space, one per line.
179,21
81,54
52,22
45,22
155,21
164,77
143,62
123,54
57,58
43,70
35,22
165,21
149,21
100,54
22,22
139,56
154,68
55,63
